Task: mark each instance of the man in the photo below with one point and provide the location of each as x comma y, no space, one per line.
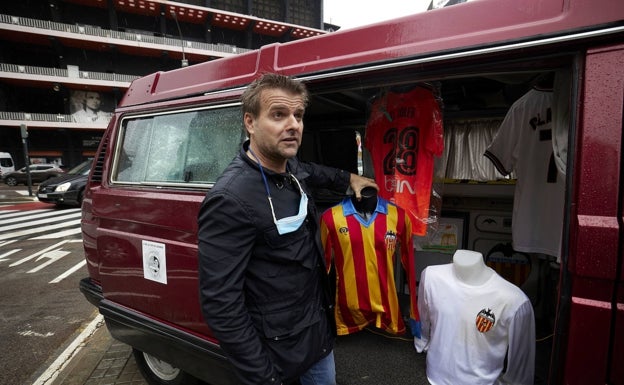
263,288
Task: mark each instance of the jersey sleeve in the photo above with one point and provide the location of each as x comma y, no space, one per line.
435,142
326,238
521,352
408,262
503,151
421,343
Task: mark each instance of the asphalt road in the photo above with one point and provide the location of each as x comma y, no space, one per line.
41,308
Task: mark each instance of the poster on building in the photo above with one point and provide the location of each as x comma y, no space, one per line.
91,106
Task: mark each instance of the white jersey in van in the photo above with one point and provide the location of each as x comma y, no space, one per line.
524,143
467,330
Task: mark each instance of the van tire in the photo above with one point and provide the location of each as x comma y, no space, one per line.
158,372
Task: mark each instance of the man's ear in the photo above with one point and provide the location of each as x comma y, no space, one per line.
248,120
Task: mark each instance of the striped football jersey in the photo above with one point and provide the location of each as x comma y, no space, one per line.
364,252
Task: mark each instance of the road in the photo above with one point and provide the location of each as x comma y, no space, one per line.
41,308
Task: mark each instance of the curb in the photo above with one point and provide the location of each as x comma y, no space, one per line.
98,360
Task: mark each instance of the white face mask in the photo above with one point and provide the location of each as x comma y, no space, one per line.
288,224
292,223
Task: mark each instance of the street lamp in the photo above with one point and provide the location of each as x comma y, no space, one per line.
175,18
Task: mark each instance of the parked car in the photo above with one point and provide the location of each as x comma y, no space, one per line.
38,173
6,164
67,189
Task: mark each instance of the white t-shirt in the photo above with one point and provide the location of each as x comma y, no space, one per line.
467,330
524,143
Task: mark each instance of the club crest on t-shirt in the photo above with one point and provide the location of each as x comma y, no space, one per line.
485,320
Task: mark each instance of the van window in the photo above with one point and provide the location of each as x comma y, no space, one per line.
188,147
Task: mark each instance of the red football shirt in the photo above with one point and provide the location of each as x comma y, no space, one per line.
364,252
403,134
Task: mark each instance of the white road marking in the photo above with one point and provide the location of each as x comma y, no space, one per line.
32,256
60,234
31,223
69,272
4,243
64,358
52,256
28,333
22,214
42,229
3,256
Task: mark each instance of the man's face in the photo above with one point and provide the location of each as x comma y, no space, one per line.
276,131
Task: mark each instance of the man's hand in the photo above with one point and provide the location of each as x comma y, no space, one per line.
358,182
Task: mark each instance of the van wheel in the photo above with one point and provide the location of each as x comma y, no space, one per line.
11,181
158,372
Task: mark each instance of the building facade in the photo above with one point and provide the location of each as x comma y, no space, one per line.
64,64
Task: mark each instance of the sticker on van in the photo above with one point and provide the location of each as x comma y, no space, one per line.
154,262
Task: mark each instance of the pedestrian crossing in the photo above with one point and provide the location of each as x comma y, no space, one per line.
39,224
61,227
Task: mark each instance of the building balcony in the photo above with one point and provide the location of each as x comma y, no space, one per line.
54,78
88,37
52,121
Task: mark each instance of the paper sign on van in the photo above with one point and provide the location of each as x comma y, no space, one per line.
154,262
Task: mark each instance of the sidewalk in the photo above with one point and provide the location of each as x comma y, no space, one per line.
16,194
101,361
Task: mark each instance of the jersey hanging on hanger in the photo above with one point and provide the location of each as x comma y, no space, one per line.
364,252
403,134
524,143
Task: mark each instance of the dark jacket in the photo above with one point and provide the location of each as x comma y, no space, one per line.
264,295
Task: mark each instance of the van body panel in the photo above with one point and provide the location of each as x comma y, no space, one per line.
122,221
599,184
163,219
617,369
596,233
589,345
419,35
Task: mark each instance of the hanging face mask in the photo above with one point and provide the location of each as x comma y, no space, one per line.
292,223
288,224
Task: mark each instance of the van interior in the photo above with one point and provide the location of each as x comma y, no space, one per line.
471,200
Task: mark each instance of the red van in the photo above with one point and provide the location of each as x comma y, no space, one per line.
174,132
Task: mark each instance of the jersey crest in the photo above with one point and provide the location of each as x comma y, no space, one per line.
485,320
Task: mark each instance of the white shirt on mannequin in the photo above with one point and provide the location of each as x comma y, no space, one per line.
471,319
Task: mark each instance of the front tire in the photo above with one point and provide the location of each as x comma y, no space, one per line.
11,181
158,372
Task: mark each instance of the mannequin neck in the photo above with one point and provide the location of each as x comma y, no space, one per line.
368,203
469,267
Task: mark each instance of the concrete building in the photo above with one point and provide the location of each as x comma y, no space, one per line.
64,64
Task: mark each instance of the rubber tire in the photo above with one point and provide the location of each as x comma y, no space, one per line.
11,181
157,372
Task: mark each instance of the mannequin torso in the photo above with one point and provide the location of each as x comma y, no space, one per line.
470,268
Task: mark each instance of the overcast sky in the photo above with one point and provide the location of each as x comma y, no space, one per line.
353,13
